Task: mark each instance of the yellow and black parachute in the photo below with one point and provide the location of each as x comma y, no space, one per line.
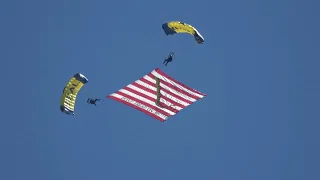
70,91
174,27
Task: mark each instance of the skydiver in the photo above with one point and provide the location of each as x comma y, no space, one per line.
168,59
93,101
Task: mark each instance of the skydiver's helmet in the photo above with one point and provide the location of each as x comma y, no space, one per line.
88,101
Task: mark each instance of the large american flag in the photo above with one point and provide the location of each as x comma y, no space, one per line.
158,95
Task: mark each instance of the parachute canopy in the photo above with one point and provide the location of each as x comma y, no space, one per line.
157,95
174,27
70,91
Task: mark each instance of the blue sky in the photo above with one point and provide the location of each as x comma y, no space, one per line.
259,66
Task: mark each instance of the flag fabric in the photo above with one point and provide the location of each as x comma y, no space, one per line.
157,95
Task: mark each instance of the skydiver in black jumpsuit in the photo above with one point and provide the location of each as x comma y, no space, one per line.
168,59
93,101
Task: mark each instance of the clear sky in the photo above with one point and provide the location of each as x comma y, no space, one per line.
259,67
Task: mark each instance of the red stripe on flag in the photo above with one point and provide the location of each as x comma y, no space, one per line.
176,88
144,103
168,92
155,93
148,97
177,82
136,107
